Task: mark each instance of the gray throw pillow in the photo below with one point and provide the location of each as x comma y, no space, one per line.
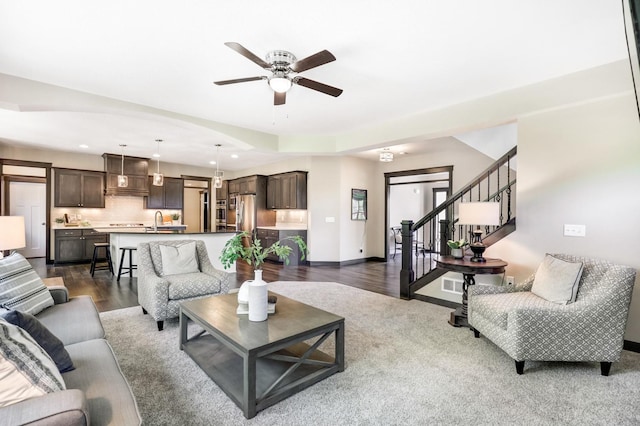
41,334
20,287
557,280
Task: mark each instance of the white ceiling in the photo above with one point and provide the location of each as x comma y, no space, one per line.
393,60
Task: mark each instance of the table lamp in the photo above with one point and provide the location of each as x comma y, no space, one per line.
12,234
478,213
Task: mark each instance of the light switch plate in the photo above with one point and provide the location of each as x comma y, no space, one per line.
575,230
329,219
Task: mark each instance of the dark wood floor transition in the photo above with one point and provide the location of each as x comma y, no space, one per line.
109,294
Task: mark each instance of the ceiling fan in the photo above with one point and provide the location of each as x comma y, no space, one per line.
283,66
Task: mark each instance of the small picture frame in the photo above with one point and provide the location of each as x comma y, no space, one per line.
358,204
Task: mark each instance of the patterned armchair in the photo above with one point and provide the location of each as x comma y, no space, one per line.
528,327
160,294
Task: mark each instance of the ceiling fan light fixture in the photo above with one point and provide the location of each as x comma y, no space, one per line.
280,83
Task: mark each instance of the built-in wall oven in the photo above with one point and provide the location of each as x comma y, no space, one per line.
221,214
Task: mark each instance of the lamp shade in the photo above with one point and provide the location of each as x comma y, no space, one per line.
12,235
486,213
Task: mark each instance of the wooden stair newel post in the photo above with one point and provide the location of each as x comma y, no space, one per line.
406,273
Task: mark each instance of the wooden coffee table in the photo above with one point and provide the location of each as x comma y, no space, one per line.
258,364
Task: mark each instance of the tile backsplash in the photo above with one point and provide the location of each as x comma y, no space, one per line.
284,217
118,209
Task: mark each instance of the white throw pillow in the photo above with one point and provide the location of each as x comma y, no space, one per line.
26,370
557,280
179,259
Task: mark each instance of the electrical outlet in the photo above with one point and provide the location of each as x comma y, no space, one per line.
510,280
575,230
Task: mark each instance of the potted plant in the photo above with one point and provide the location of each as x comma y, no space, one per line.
176,218
457,247
254,292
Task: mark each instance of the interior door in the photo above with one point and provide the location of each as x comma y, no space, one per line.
29,199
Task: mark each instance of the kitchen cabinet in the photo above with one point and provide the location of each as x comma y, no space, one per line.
269,236
287,191
234,186
135,168
78,188
76,245
168,196
223,192
245,185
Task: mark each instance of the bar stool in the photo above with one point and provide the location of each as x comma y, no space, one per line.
94,260
127,269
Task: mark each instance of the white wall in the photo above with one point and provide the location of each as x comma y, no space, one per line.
578,165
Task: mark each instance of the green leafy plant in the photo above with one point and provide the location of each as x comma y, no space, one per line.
255,254
175,216
459,244
59,220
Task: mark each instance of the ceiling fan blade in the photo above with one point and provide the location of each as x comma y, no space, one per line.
238,80
247,54
313,61
279,98
320,87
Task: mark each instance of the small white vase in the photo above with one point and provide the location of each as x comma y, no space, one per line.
258,298
457,253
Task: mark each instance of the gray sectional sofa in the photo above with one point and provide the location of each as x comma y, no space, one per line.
97,392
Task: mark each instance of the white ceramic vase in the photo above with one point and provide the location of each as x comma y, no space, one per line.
457,253
258,298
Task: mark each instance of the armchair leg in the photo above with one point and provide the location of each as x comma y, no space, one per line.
520,367
476,333
160,325
144,311
605,367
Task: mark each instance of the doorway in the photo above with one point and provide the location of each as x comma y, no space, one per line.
410,195
196,212
25,191
29,199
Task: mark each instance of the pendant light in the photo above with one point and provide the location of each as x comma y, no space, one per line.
217,178
123,181
158,178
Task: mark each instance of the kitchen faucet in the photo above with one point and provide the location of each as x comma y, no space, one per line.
155,220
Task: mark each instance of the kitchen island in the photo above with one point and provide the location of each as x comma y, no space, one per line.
131,237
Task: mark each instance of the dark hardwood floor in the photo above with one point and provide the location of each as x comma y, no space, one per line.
109,294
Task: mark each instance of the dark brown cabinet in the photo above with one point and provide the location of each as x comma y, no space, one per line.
78,188
287,191
168,196
234,186
76,245
135,168
245,185
223,192
269,236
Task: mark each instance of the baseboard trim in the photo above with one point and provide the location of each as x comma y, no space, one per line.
631,346
347,262
436,301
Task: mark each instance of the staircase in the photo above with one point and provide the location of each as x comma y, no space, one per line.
426,239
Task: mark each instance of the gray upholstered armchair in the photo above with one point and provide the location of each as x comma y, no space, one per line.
169,272
528,327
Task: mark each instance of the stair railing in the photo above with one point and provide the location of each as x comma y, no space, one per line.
426,239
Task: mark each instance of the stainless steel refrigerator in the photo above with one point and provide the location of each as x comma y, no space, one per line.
246,213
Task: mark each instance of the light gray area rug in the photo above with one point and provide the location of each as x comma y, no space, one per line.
405,365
